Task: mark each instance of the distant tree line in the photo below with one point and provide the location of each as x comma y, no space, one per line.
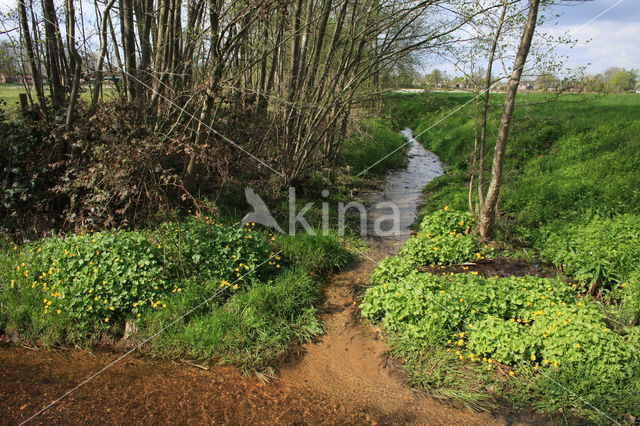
613,80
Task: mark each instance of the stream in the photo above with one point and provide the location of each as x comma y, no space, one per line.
345,376
402,188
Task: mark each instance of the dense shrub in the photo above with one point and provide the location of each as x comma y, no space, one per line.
198,288
215,252
84,283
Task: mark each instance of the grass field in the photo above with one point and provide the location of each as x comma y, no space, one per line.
10,94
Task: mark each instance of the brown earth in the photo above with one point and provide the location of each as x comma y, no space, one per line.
345,376
496,267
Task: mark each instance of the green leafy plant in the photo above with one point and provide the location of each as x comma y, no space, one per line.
600,251
531,324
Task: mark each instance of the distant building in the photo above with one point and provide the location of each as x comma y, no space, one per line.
24,79
16,79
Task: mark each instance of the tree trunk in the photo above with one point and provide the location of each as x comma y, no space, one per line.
76,62
128,47
53,54
488,211
97,84
28,44
482,142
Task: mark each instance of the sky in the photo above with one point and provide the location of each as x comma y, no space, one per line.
612,39
608,32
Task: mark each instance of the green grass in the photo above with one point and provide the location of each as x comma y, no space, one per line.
571,198
10,94
253,328
228,294
376,151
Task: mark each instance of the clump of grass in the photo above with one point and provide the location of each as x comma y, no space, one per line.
318,253
256,327
440,373
377,150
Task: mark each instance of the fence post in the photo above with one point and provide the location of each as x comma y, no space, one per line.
24,103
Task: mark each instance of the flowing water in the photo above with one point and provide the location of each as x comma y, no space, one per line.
402,188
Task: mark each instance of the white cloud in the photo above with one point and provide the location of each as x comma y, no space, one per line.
603,44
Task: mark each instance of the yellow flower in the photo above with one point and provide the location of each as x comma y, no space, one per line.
58,312
511,373
13,283
138,315
106,320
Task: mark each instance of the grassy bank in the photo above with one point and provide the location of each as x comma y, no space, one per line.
235,294
570,199
202,287
569,163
